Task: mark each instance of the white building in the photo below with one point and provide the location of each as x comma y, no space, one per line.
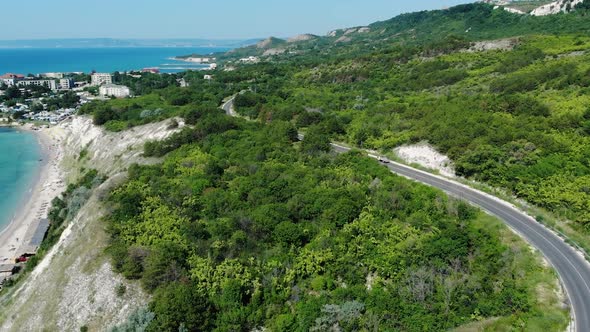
8,81
48,83
66,83
183,83
200,60
53,75
250,59
101,78
119,91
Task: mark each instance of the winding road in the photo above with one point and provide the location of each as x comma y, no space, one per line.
570,264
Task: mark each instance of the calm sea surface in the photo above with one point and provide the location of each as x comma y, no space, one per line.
41,60
19,164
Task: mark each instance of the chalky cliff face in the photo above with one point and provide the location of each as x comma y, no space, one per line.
536,8
75,285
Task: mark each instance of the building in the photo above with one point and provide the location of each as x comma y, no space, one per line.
28,82
6,271
11,75
99,79
10,79
250,59
183,83
119,91
151,70
200,59
36,238
53,75
66,83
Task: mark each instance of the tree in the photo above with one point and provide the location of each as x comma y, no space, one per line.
104,115
315,140
13,92
137,321
36,108
181,304
18,115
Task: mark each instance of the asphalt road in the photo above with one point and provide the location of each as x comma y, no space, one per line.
228,107
572,267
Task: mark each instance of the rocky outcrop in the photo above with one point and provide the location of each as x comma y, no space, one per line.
270,42
543,8
344,39
556,7
274,51
506,44
300,38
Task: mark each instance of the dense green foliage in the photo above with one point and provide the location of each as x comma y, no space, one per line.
160,99
241,228
516,119
253,228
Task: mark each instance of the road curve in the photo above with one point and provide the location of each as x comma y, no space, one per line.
572,267
228,107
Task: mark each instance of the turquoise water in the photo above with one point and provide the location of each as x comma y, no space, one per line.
19,165
44,60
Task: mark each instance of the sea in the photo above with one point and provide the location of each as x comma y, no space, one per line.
109,59
20,155
19,150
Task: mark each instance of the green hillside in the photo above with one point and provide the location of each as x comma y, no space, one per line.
243,227
514,118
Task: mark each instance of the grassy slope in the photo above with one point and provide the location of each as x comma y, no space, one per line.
549,313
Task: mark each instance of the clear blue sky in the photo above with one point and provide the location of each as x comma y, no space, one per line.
42,19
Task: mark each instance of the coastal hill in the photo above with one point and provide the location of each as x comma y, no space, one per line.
212,219
467,23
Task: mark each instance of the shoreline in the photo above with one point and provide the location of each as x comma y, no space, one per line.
46,184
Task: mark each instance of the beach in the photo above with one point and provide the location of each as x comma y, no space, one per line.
48,184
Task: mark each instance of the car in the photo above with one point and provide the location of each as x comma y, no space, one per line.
383,160
22,259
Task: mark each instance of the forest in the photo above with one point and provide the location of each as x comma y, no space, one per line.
243,227
257,229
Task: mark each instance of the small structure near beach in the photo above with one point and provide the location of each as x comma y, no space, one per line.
6,271
36,238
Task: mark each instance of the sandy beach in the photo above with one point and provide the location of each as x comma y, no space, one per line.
47,185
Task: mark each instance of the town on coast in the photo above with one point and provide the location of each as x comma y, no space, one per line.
38,104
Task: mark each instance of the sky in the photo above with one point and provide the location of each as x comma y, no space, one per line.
212,19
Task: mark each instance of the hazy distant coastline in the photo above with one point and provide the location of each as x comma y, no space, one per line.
122,43
105,59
